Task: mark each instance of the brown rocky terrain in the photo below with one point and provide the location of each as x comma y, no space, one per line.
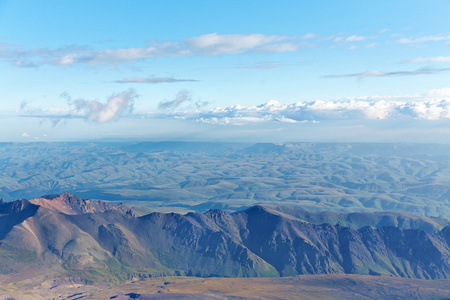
97,241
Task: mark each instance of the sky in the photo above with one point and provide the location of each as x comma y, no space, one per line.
259,71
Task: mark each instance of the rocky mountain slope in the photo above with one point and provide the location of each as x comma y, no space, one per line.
98,241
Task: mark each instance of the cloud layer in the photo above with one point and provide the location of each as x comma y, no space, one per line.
431,106
434,105
317,111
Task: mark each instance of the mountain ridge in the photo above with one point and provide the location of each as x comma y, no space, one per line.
114,244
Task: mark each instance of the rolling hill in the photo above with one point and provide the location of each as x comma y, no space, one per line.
176,176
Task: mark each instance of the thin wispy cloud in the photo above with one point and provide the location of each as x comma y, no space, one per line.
266,66
437,59
351,38
154,80
421,71
217,44
29,58
183,98
424,39
212,44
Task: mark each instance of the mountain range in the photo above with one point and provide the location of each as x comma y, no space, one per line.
66,236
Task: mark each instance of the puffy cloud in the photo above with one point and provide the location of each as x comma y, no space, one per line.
153,80
116,106
443,93
434,105
430,106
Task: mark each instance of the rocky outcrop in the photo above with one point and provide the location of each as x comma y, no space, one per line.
72,205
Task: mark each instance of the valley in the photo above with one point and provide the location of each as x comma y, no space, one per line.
179,176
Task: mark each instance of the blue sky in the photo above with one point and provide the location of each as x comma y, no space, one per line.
225,70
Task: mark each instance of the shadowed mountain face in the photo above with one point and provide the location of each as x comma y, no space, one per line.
99,241
376,219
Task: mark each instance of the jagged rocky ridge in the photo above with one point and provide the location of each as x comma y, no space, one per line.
100,241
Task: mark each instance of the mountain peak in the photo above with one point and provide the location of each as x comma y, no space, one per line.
15,206
259,209
70,204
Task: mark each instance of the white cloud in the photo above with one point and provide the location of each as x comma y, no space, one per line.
421,71
309,36
437,59
443,93
236,120
430,106
154,80
355,38
423,39
25,135
217,44
433,105
265,65
183,96
116,106
204,45
351,38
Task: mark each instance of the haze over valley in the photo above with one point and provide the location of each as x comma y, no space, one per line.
179,176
